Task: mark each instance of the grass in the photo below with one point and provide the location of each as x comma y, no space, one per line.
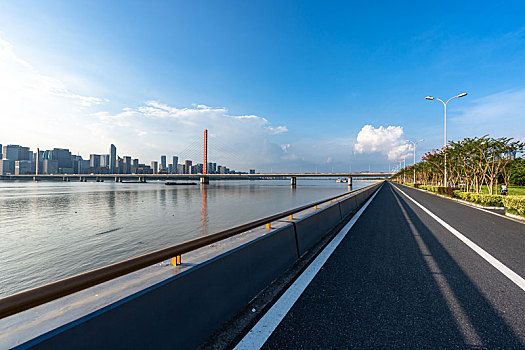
513,190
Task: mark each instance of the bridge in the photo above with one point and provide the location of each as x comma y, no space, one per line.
203,178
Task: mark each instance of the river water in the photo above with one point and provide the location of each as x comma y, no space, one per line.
52,230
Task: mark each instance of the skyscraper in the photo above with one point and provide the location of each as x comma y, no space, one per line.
112,158
127,166
162,162
94,161
175,163
155,166
187,166
63,156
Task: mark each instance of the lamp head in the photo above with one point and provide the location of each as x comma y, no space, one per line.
429,98
462,94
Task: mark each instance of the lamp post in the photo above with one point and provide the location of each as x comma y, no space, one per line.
404,170
445,138
415,143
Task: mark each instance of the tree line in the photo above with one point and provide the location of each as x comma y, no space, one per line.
471,163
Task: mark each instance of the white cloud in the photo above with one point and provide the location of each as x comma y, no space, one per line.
277,130
39,110
157,128
389,141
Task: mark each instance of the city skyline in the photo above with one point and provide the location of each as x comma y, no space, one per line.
302,86
21,160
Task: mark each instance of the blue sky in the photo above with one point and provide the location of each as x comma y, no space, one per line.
280,85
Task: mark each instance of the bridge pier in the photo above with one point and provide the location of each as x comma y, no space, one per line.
350,182
205,180
293,181
142,179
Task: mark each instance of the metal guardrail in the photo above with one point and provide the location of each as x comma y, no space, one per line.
28,299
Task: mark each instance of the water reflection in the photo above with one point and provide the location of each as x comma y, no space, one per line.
204,210
67,228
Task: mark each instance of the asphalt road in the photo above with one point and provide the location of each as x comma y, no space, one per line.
401,280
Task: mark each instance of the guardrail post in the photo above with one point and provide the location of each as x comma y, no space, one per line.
176,260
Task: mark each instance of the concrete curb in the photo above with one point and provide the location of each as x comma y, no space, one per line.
508,216
470,204
514,216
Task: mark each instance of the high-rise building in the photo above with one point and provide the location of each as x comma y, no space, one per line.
1,157
7,166
84,166
94,161
77,164
252,171
112,158
15,152
63,156
50,166
127,165
163,163
155,166
187,166
23,167
48,155
175,163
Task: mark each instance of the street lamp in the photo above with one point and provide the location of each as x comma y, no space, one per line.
445,141
415,143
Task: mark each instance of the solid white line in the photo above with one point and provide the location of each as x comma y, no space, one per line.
258,335
513,276
467,204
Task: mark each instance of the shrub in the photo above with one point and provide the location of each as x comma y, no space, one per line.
493,200
515,203
463,195
483,199
447,191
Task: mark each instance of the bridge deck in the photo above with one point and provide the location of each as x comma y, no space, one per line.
401,279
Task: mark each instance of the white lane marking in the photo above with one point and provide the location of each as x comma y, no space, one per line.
466,204
511,275
258,335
